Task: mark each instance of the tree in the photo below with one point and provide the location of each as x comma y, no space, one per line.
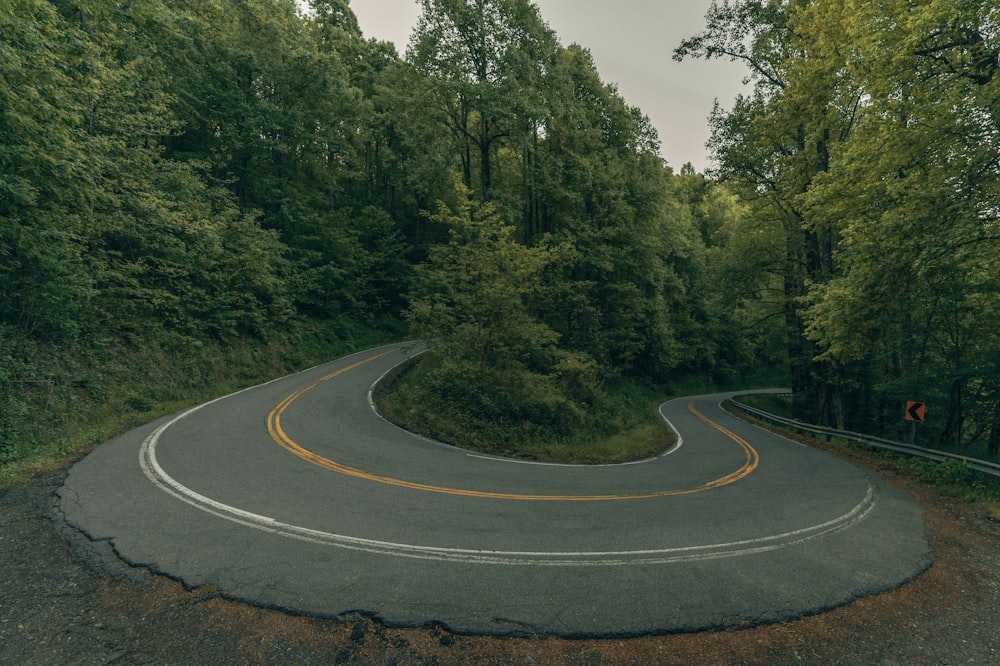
105,233
270,100
771,146
736,285
536,132
484,61
917,184
601,187
46,182
495,360
870,139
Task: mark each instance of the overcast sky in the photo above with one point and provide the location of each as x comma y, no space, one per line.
632,42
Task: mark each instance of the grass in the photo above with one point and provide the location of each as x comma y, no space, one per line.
774,404
636,430
643,440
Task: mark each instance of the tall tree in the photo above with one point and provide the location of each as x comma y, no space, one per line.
603,189
479,297
918,186
772,144
135,236
484,61
870,137
735,285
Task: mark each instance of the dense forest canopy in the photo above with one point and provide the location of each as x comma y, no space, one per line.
187,174
870,145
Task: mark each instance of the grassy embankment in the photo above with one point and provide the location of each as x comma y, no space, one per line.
61,401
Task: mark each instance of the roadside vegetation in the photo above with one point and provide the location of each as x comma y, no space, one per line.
92,394
624,427
951,477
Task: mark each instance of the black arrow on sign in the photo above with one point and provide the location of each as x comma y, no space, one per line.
915,410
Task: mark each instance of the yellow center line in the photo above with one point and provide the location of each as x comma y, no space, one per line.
752,457
286,442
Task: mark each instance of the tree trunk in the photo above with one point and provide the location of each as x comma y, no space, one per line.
952,434
484,159
993,444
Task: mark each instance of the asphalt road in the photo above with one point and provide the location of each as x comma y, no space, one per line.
296,495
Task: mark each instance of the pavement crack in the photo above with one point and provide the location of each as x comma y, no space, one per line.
98,553
518,629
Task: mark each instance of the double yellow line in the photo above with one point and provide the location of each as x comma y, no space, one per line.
286,442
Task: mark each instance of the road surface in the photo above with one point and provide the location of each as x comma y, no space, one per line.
296,495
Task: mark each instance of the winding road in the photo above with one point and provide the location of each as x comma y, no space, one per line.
297,495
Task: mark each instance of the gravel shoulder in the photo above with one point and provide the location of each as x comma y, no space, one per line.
66,600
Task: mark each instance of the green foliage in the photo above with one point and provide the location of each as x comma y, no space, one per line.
777,405
484,66
952,477
179,179
738,314
45,180
60,401
630,427
920,216
496,363
116,237
869,147
769,147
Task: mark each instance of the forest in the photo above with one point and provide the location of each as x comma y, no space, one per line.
196,194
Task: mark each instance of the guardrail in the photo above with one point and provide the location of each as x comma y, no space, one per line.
867,440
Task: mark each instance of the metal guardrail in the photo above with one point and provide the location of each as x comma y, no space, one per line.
874,442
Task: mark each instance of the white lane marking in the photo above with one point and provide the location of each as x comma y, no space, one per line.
372,406
680,440
157,475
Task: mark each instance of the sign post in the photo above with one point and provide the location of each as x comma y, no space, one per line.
915,414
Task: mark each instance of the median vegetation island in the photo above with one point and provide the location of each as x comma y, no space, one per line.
195,197
624,427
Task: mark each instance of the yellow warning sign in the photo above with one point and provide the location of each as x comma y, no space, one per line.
915,411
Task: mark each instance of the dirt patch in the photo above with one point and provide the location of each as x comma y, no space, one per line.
63,601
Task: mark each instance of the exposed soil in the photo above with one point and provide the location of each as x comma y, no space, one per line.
60,603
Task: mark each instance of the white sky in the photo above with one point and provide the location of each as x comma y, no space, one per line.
632,42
